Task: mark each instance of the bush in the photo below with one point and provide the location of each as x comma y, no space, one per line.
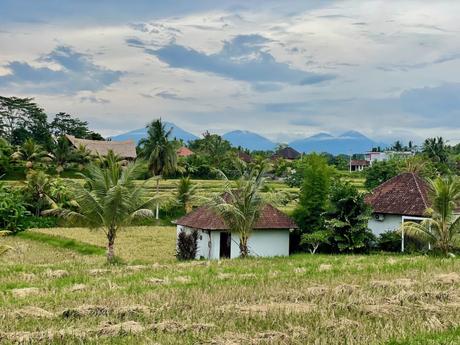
13,213
41,222
187,245
389,241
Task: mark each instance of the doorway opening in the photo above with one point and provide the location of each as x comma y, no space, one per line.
225,245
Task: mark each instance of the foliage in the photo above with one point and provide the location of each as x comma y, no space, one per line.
435,149
313,240
442,229
240,207
13,213
62,154
5,156
32,153
389,241
64,123
37,191
314,192
347,219
22,119
185,193
187,245
380,172
109,200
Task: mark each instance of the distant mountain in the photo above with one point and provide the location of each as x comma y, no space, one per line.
249,140
348,142
140,133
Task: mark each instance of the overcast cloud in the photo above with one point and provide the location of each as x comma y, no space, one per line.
282,69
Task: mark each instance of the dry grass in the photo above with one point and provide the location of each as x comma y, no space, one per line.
72,298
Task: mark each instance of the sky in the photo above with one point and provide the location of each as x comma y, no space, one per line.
284,69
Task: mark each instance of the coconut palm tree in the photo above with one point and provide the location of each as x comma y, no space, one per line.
31,153
240,207
82,156
185,193
159,151
109,200
62,154
442,229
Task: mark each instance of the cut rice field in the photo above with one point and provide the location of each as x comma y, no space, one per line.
55,292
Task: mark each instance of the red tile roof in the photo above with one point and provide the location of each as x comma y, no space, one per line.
184,152
405,194
359,162
205,218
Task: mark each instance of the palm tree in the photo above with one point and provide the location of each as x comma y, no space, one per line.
82,156
185,193
62,154
159,152
442,229
109,200
31,152
240,207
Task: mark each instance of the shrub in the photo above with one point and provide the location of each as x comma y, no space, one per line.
13,213
187,245
389,241
41,222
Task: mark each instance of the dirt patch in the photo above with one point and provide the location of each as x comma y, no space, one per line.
129,327
319,290
180,327
86,310
33,312
56,274
133,311
78,287
274,307
98,271
448,279
157,281
346,288
182,279
324,267
25,292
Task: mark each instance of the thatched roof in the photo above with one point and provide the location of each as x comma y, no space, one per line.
124,149
287,153
405,194
206,219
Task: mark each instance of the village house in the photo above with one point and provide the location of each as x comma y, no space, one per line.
270,236
358,164
245,157
400,199
184,152
287,153
124,149
372,157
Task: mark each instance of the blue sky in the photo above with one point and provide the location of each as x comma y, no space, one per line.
286,69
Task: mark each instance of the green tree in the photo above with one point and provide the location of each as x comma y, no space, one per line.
62,154
109,200
347,219
442,229
313,240
37,191
240,206
314,193
5,156
159,152
380,172
22,119
64,123
436,150
185,193
31,153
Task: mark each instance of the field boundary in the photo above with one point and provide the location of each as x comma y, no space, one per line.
63,242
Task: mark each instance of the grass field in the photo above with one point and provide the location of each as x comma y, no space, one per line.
59,290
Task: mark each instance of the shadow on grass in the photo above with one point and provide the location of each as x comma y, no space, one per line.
61,242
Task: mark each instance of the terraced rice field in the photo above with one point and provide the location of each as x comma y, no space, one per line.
54,295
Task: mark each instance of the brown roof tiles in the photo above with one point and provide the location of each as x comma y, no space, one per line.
405,194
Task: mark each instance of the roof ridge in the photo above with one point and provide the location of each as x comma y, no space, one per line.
414,176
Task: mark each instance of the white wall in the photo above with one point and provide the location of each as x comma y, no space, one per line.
390,222
261,243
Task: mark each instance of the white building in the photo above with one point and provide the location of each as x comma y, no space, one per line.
372,157
270,236
402,198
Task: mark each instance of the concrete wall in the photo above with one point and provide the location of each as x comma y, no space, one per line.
390,222
261,243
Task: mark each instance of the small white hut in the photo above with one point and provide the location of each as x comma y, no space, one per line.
270,236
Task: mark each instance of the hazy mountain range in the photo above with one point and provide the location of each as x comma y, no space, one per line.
346,143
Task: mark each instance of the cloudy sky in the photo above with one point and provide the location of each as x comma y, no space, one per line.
285,69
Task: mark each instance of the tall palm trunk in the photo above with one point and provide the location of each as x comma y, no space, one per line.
157,212
110,244
244,251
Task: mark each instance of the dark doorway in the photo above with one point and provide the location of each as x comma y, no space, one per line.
225,244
